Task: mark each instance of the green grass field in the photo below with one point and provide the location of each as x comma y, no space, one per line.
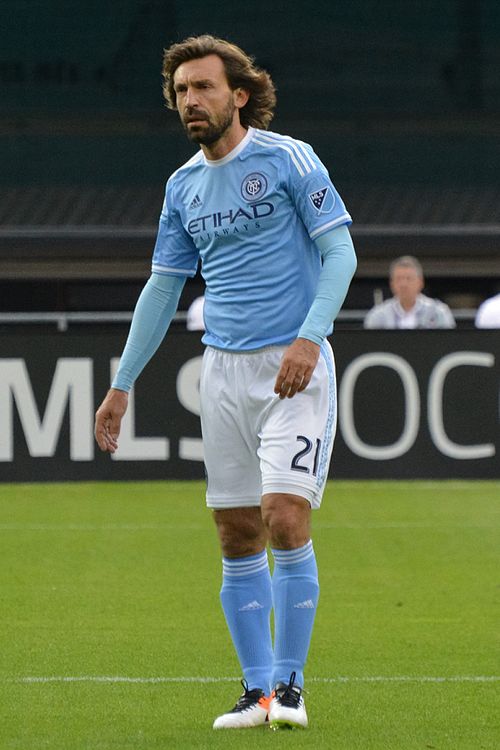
111,634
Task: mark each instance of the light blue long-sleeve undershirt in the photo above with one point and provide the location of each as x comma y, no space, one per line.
160,297
339,265
153,314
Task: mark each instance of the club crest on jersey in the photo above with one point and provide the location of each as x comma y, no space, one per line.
253,187
323,200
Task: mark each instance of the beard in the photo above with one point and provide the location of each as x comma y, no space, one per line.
212,128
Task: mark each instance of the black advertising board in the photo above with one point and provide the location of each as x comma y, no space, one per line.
411,404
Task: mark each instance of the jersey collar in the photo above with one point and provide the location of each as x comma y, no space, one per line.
232,154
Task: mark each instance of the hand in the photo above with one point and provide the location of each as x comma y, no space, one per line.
296,369
108,419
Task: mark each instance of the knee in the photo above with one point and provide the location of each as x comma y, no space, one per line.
241,531
287,520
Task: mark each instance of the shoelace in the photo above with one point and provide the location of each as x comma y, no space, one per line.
248,699
288,695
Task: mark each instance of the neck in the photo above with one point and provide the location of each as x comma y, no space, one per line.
407,305
225,144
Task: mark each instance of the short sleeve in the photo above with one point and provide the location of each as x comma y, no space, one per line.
316,200
174,252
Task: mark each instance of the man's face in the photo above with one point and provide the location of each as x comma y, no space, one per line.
406,284
206,103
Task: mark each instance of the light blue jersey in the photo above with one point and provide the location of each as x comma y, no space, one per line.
252,218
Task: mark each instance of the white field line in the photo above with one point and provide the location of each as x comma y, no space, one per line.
203,680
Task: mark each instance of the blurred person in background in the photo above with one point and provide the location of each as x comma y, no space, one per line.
195,320
488,313
409,308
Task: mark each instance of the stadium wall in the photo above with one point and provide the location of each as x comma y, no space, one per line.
412,404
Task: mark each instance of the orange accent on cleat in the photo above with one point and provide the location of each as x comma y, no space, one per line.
265,701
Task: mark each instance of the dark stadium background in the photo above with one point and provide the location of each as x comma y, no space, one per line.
400,100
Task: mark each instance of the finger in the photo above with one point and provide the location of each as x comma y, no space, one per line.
105,441
282,385
101,442
111,442
113,427
295,386
305,382
105,436
100,433
290,385
280,379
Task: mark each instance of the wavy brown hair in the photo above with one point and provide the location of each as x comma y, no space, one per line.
241,72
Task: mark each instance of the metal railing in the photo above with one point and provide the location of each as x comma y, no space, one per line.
64,319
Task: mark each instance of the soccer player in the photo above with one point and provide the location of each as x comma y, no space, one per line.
260,212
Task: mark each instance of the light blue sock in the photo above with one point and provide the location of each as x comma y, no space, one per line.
295,596
246,598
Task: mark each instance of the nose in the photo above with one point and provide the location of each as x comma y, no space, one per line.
191,98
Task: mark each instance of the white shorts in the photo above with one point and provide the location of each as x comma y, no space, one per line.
256,443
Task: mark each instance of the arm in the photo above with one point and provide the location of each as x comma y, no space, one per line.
152,316
339,265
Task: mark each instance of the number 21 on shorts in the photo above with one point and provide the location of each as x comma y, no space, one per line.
299,460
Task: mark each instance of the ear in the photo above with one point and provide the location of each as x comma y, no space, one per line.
240,97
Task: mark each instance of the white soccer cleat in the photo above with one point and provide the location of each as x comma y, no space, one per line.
287,709
250,711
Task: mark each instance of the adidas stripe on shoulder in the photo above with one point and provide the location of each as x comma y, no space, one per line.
300,155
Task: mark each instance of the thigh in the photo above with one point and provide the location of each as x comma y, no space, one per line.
297,436
230,448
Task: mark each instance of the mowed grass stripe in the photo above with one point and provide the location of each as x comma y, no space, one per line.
318,526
